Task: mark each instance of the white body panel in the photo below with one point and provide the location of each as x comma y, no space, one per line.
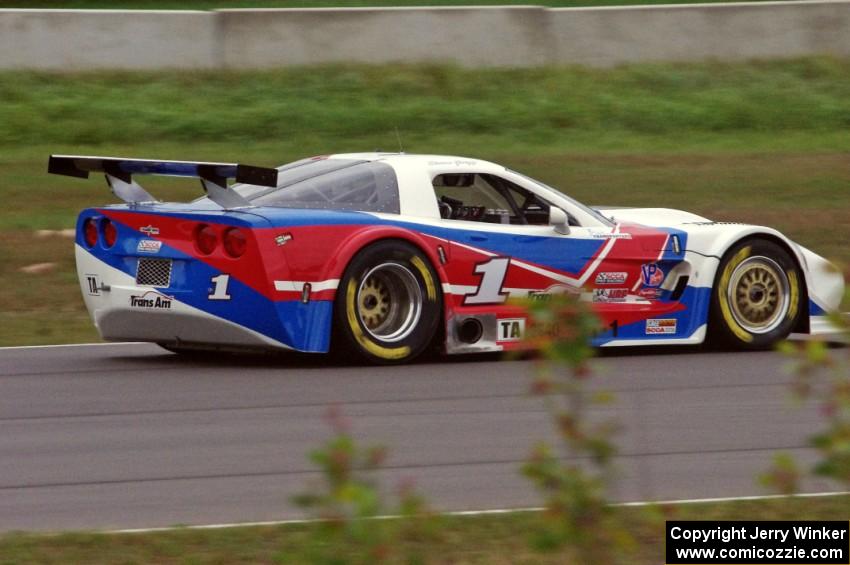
117,319
708,241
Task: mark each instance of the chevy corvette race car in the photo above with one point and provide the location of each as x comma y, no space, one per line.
384,255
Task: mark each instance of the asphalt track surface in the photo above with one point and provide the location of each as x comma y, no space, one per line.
130,436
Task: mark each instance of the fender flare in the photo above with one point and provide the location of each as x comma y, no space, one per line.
374,234
802,325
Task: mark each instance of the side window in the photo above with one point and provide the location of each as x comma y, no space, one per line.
367,186
488,198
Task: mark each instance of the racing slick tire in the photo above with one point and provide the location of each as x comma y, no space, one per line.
389,304
757,297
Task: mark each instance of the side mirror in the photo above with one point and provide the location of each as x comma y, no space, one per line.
559,220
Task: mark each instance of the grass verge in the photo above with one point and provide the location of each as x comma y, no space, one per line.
470,539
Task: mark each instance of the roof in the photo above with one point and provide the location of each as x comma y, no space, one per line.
426,160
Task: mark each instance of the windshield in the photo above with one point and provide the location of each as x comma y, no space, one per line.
329,184
590,211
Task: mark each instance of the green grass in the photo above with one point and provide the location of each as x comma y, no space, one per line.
219,4
497,539
336,103
764,142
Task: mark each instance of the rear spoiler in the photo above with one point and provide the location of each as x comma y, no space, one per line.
119,174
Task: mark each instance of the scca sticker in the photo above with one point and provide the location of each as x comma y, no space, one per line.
612,278
652,274
511,329
661,326
148,246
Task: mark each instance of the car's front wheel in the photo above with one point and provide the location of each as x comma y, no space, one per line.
757,295
388,304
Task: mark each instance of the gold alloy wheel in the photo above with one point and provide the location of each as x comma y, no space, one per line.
374,302
389,302
759,294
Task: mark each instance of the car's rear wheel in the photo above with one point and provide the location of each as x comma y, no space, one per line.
388,304
757,295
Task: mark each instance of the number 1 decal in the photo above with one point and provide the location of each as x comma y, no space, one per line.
492,278
219,289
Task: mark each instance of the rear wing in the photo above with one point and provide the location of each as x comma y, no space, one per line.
119,175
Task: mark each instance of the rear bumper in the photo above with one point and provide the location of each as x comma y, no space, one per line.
124,311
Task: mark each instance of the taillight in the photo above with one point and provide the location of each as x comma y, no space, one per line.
90,232
110,233
235,242
205,239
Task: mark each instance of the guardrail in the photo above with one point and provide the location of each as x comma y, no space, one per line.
490,36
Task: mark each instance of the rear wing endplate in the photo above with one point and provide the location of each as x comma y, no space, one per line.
119,174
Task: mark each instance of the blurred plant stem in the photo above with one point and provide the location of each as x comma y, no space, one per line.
820,377
350,505
573,476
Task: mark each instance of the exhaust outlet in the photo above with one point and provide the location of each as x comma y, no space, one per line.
470,331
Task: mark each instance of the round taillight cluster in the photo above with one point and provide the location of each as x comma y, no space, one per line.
235,242
205,239
110,232
90,232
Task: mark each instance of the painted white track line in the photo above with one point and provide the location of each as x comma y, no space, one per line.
493,511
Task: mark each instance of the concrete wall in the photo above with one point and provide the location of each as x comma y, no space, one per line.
98,39
486,36
608,36
509,36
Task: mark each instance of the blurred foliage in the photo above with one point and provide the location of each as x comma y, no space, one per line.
783,477
573,476
351,508
821,377
466,540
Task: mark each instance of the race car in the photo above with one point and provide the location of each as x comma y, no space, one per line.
387,255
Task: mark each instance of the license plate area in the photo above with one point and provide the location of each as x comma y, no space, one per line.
154,272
